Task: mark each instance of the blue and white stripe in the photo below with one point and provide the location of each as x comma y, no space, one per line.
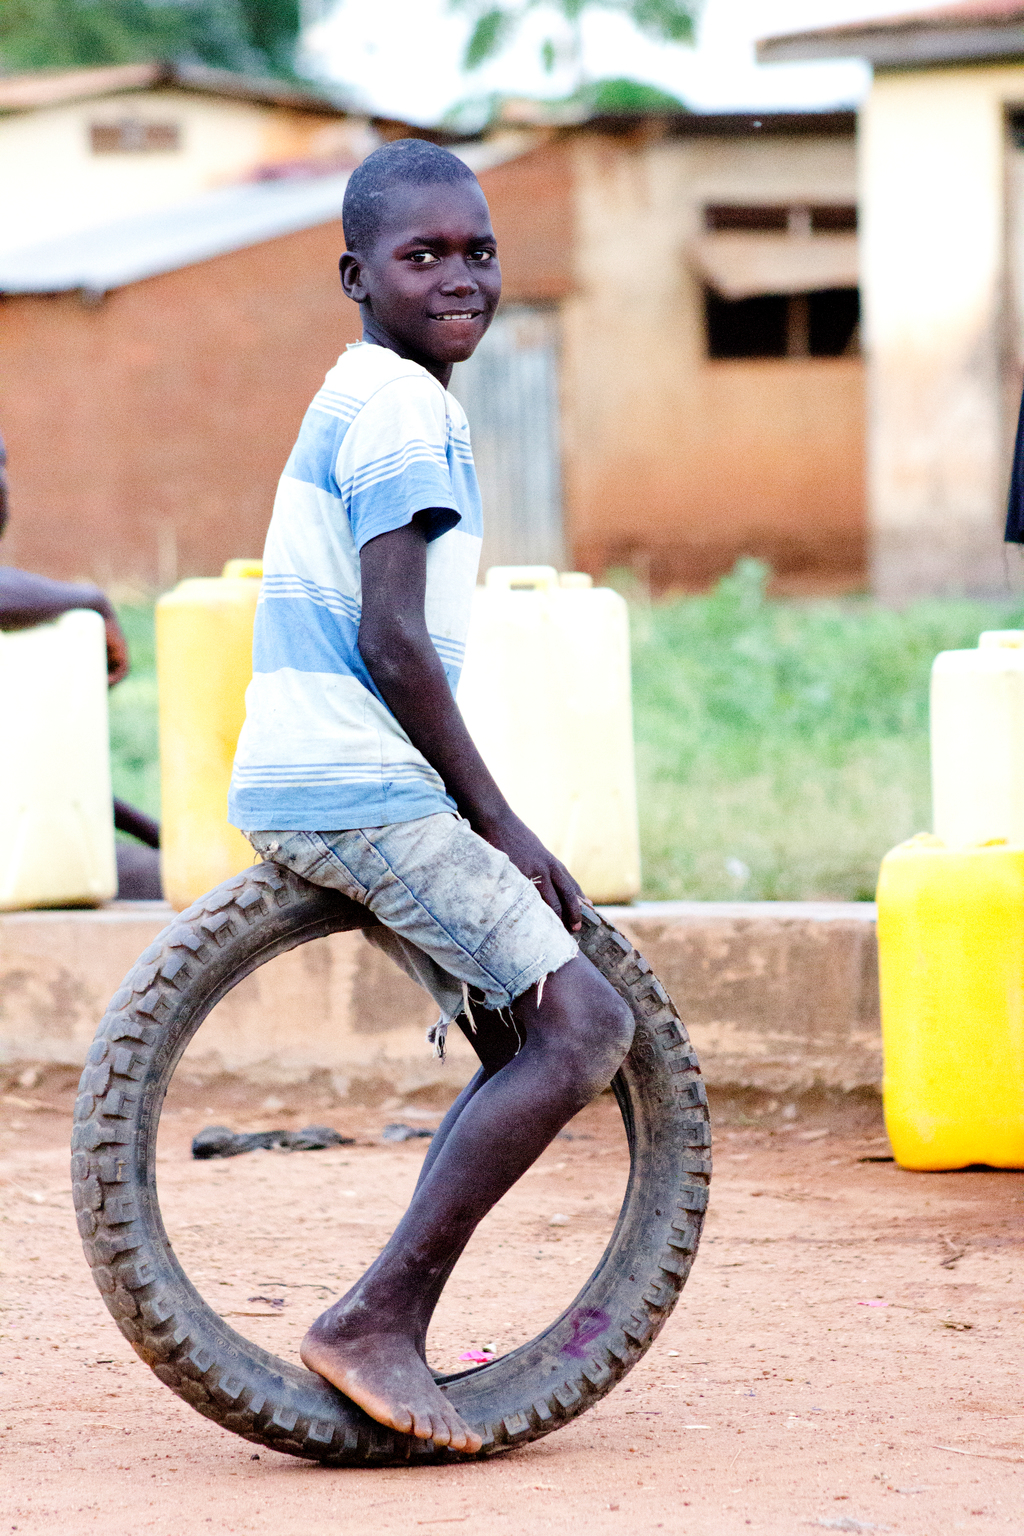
320,750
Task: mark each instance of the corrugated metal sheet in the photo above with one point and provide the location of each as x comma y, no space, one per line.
214,224
228,219
971,31
52,87
509,390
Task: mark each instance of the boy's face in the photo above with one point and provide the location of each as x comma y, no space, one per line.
431,282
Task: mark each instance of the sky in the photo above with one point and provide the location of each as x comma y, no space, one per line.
403,56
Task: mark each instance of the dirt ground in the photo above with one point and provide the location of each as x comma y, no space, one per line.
846,1355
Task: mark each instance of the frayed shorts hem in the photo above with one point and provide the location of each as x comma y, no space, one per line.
455,913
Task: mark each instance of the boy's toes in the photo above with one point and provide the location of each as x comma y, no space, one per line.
462,1438
424,1427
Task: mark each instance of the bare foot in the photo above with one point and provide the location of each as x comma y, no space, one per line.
383,1374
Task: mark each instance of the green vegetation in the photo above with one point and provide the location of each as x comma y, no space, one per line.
619,97
624,96
782,747
255,37
134,750
496,24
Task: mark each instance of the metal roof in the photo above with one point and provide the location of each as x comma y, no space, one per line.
53,87
214,224
233,218
969,32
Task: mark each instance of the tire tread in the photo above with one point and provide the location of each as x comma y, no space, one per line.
153,1014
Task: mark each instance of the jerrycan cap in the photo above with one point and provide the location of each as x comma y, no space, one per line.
931,840
535,578
245,568
1007,639
522,578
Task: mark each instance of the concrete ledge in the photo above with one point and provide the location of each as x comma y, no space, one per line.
779,997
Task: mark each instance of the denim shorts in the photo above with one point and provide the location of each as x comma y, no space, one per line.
455,913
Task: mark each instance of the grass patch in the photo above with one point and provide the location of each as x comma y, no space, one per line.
134,742
782,748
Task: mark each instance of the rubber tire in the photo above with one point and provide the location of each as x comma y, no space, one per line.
523,1395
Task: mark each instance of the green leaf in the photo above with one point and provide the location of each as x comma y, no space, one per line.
490,35
669,21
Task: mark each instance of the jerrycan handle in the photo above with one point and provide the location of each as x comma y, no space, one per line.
250,568
522,578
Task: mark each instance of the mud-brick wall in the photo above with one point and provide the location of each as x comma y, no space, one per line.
677,463
146,433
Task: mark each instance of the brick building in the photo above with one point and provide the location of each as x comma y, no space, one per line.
673,380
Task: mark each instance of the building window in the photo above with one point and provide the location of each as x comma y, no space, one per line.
783,218
823,324
132,136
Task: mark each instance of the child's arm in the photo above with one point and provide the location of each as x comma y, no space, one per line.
26,599
401,659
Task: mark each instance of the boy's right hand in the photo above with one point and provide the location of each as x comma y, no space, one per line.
118,660
526,851
27,600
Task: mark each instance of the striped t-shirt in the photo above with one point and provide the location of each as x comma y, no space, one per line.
320,750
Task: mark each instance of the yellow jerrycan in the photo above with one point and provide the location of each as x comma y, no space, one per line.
951,968
204,665
547,696
56,811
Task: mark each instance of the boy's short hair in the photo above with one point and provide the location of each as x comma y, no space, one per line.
414,162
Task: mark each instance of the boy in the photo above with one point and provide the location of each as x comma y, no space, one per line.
355,753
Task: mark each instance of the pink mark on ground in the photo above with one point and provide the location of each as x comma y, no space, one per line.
872,1303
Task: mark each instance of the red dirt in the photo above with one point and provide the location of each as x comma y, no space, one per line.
775,1400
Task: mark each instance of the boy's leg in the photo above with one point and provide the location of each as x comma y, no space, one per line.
496,1039
371,1343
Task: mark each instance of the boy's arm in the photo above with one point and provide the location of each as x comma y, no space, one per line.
401,659
26,599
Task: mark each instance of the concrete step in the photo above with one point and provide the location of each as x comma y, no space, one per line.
781,998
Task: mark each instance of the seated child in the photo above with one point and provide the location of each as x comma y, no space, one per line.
355,769
27,600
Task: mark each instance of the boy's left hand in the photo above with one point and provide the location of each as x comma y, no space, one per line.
526,851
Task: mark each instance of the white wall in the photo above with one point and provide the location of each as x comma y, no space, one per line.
933,242
53,183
